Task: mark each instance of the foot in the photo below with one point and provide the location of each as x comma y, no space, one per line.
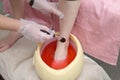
6,44
61,51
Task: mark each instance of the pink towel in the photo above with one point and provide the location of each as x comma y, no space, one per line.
97,27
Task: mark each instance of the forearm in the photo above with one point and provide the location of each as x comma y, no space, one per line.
70,10
9,23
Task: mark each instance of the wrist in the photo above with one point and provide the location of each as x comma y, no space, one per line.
24,24
15,24
18,25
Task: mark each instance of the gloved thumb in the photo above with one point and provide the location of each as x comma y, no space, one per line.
57,12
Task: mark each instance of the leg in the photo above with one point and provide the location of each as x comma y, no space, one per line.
70,10
18,12
92,71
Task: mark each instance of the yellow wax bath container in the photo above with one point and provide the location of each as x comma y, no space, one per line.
70,72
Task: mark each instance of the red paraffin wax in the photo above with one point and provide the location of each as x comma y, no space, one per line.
48,56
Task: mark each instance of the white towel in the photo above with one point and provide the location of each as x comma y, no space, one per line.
16,64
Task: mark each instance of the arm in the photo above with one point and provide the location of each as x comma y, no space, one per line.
29,29
70,9
9,23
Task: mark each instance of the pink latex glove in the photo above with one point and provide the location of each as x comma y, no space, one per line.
35,32
45,7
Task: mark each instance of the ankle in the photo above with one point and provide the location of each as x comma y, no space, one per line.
63,41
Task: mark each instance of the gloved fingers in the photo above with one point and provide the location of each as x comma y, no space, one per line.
54,9
44,27
34,31
47,7
54,4
41,5
42,37
46,32
57,12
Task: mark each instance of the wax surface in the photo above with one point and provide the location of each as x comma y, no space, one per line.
48,56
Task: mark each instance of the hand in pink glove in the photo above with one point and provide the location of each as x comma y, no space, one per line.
35,32
45,7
